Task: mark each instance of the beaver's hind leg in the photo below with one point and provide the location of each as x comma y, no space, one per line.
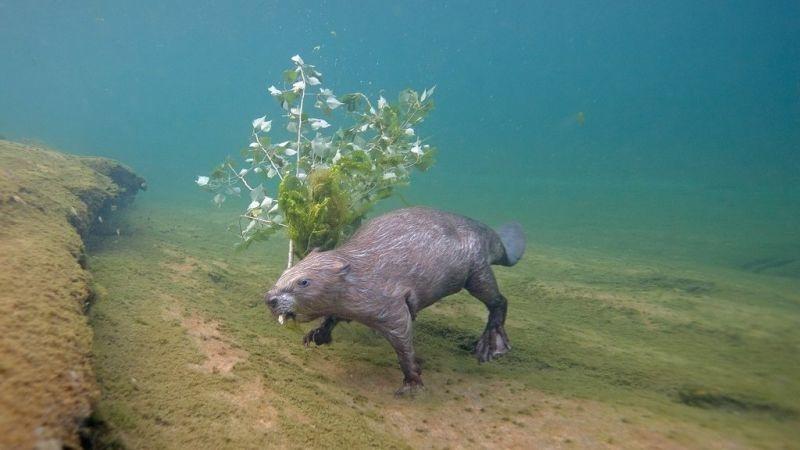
494,342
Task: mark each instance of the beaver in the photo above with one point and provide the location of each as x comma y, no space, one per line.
394,266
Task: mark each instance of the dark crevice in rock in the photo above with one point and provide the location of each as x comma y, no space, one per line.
99,204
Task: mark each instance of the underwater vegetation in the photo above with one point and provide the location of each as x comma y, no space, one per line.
49,201
649,151
608,352
326,183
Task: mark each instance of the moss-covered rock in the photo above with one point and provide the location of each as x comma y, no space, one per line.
48,200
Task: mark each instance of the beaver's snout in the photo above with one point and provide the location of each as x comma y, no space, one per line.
281,305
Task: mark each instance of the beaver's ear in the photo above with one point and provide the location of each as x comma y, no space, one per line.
343,269
315,250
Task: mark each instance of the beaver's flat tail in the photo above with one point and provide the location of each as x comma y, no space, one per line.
513,238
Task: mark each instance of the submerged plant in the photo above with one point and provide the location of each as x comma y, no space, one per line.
323,182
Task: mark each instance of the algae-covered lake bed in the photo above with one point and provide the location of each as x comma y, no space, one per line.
163,163
610,350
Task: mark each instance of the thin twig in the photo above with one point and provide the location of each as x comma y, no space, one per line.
240,177
265,221
267,155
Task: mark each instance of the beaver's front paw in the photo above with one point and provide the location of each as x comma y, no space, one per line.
493,344
411,387
319,336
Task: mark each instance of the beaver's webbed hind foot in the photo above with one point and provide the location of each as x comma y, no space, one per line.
412,385
493,344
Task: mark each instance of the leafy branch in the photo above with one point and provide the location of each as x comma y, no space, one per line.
324,183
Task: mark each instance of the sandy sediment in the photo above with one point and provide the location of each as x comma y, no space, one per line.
48,201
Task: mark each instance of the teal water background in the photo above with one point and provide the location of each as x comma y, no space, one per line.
689,147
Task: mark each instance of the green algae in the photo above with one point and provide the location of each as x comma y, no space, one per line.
47,201
593,337
318,213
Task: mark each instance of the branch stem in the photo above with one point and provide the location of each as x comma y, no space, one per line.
261,147
300,119
290,257
240,177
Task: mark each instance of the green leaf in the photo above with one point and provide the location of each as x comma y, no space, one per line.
427,159
351,101
290,75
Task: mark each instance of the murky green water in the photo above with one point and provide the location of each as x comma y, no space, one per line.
653,134
669,129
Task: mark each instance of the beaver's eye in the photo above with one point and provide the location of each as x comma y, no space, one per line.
303,283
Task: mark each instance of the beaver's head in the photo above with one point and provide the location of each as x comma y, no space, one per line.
309,289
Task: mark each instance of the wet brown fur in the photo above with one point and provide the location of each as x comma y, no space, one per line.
393,267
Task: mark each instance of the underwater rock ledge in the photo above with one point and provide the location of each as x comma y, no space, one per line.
48,202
